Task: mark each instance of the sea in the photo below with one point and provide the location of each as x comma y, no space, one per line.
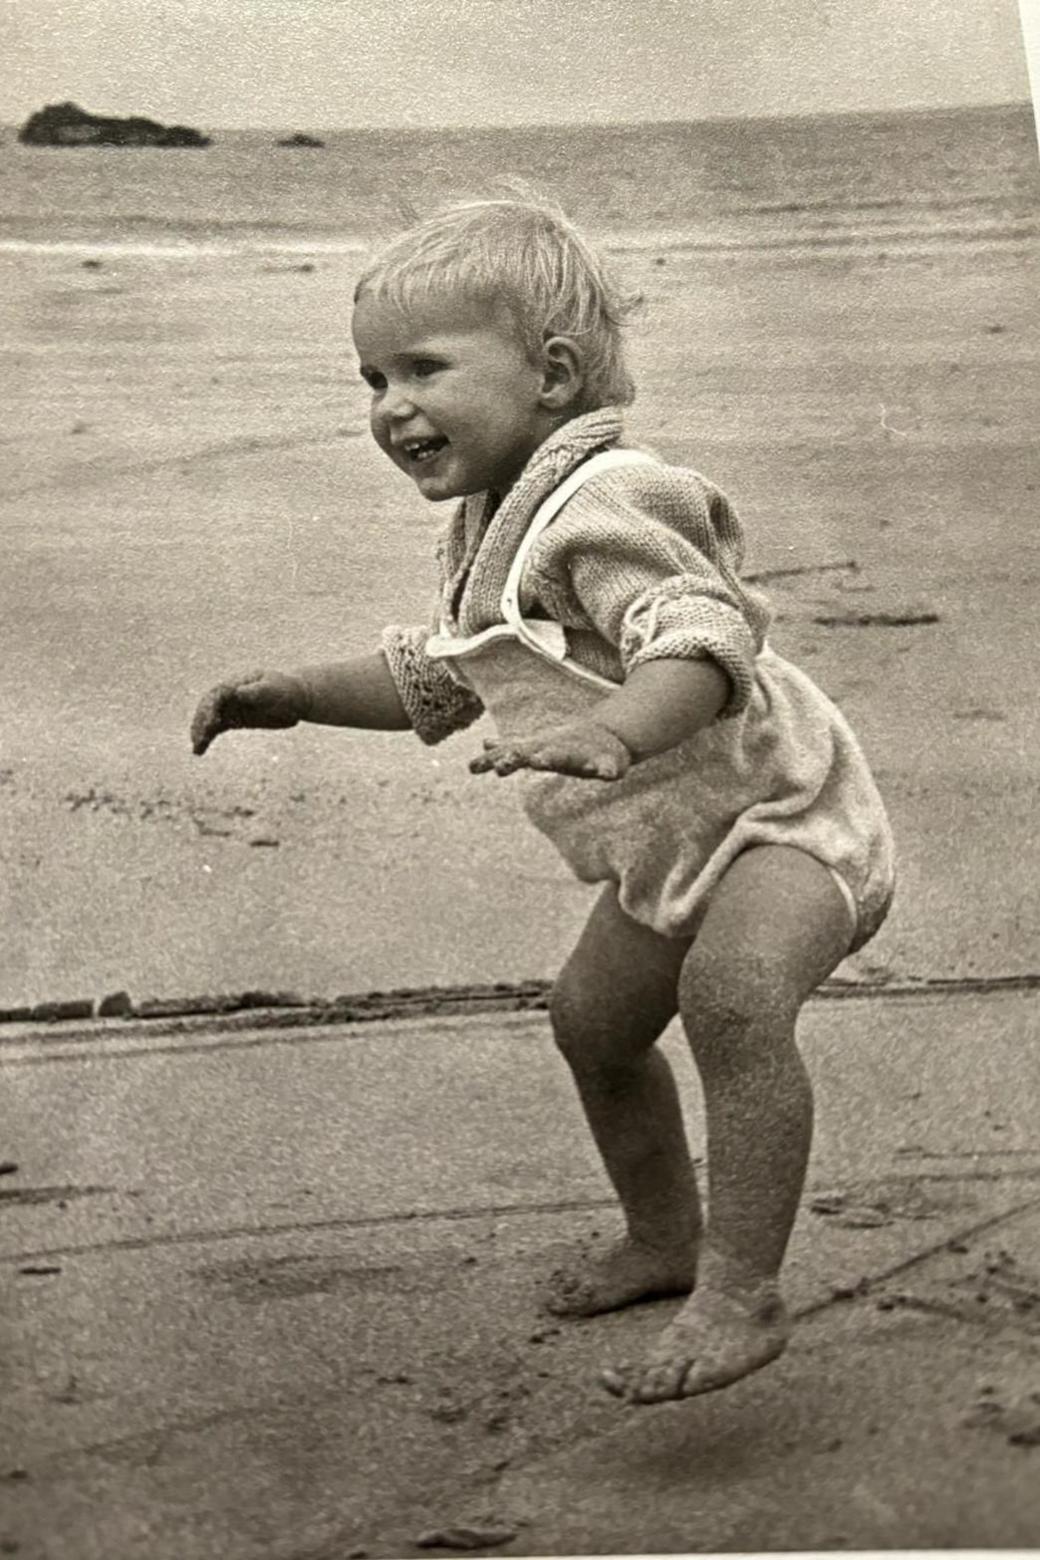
827,183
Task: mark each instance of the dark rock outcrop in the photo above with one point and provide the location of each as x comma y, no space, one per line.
66,124
299,139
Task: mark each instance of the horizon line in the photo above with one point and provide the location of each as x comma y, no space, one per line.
294,126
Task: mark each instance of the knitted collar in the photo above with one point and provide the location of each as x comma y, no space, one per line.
481,543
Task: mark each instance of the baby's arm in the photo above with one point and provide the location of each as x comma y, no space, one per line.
659,705
647,557
360,692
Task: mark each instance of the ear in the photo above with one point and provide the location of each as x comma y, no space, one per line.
563,364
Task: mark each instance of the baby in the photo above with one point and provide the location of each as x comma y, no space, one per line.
592,604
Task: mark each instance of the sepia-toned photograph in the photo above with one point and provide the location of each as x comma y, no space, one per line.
519,802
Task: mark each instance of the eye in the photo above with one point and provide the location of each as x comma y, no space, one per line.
373,378
423,368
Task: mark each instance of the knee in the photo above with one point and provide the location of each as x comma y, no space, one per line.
592,1035
578,1027
728,1003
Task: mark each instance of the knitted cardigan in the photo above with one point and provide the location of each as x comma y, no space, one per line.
642,564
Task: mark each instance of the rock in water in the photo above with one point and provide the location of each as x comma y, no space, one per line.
66,124
465,1536
299,139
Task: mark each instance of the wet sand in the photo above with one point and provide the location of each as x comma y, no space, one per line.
188,490
276,1293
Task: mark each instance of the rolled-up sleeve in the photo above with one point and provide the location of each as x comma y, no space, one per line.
436,703
649,559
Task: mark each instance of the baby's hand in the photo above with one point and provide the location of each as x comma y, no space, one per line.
271,700
588,752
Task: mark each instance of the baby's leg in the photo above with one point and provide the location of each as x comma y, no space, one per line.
776,925
611,1003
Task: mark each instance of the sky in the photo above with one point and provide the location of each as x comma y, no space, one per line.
314,64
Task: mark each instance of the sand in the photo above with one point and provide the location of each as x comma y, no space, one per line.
189,490
275,1294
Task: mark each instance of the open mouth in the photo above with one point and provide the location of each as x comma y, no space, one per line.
422,450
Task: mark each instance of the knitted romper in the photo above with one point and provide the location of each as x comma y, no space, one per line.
786,771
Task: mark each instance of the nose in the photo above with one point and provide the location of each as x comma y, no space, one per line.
396,403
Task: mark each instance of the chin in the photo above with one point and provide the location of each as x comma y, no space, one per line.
438,492
442,497
439,486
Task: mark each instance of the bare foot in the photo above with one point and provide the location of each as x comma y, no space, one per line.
715,1339
624,1274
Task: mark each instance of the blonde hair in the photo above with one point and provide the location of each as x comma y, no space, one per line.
524,255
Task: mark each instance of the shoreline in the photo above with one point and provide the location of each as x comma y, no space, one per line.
731,234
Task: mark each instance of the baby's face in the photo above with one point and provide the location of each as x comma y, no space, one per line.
455,400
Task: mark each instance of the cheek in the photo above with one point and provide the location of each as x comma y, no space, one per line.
379,434
377,423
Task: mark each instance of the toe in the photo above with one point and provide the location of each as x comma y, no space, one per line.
662,1381
700,1379
571,1302
617,1379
